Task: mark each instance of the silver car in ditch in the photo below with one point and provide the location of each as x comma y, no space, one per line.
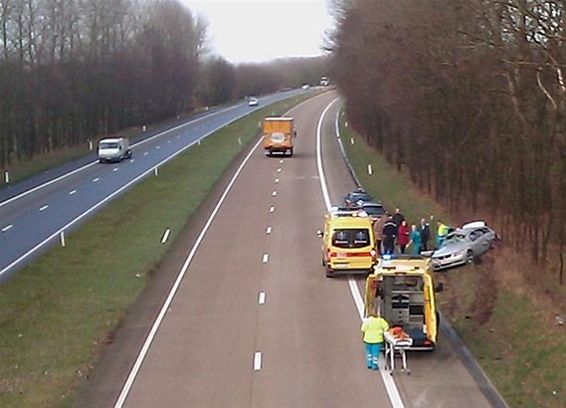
463,245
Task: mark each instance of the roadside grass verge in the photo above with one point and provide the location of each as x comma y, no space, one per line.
57,313
521,352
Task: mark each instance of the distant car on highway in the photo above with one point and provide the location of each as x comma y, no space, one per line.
253,101
356,198
114,150
463,245
305,86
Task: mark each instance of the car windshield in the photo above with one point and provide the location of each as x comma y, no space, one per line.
455,238
350,238
108,145
359,197
373,209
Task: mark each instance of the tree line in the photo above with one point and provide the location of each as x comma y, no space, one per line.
467,96
76,70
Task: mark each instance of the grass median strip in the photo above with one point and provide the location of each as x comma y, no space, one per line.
519,349
58,312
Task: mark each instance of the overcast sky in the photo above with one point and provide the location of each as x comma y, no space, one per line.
262,30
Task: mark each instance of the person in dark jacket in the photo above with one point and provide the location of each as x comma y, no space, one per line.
424,230
398,217
389,234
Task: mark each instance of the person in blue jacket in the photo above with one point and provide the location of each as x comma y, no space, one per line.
415,240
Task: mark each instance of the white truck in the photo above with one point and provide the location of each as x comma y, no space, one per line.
114,150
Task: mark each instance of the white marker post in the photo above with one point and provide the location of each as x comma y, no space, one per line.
144,128
240,141
370,170
90,146
351,140
346,124
156,171
165,236
62,238
6,177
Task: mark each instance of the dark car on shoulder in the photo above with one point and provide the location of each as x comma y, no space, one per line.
356,198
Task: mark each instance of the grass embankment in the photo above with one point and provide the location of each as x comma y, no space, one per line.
518,346
57,313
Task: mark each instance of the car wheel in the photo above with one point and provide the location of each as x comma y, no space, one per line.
329,273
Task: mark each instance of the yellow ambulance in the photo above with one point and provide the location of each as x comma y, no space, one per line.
348,245
401,290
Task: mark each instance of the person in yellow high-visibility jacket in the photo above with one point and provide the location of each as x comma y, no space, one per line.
373,328
441,233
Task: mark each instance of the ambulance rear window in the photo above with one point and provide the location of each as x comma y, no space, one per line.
350,238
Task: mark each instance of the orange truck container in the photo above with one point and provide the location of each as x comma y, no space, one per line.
278,135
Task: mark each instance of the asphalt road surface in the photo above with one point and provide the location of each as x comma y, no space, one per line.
251,320
34,212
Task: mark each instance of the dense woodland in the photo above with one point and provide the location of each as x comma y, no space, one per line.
74,70
468,97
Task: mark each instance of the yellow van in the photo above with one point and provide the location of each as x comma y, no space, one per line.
401,290
278,134
348,245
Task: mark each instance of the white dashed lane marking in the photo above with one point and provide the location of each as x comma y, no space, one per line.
145,153
43,208
265,258
271,209
115,169
257,361
95,180
157,147
274,193
279,170
72,192
268,230
7,227
261,299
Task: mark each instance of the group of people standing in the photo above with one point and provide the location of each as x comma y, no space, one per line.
393,230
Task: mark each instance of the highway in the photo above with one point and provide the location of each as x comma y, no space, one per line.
248,318
34,212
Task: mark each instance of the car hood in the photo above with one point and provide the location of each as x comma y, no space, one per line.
450,249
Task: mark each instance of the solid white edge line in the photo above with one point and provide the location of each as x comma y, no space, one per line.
257,361
153,331
125,186
165,236
390,386
261,299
